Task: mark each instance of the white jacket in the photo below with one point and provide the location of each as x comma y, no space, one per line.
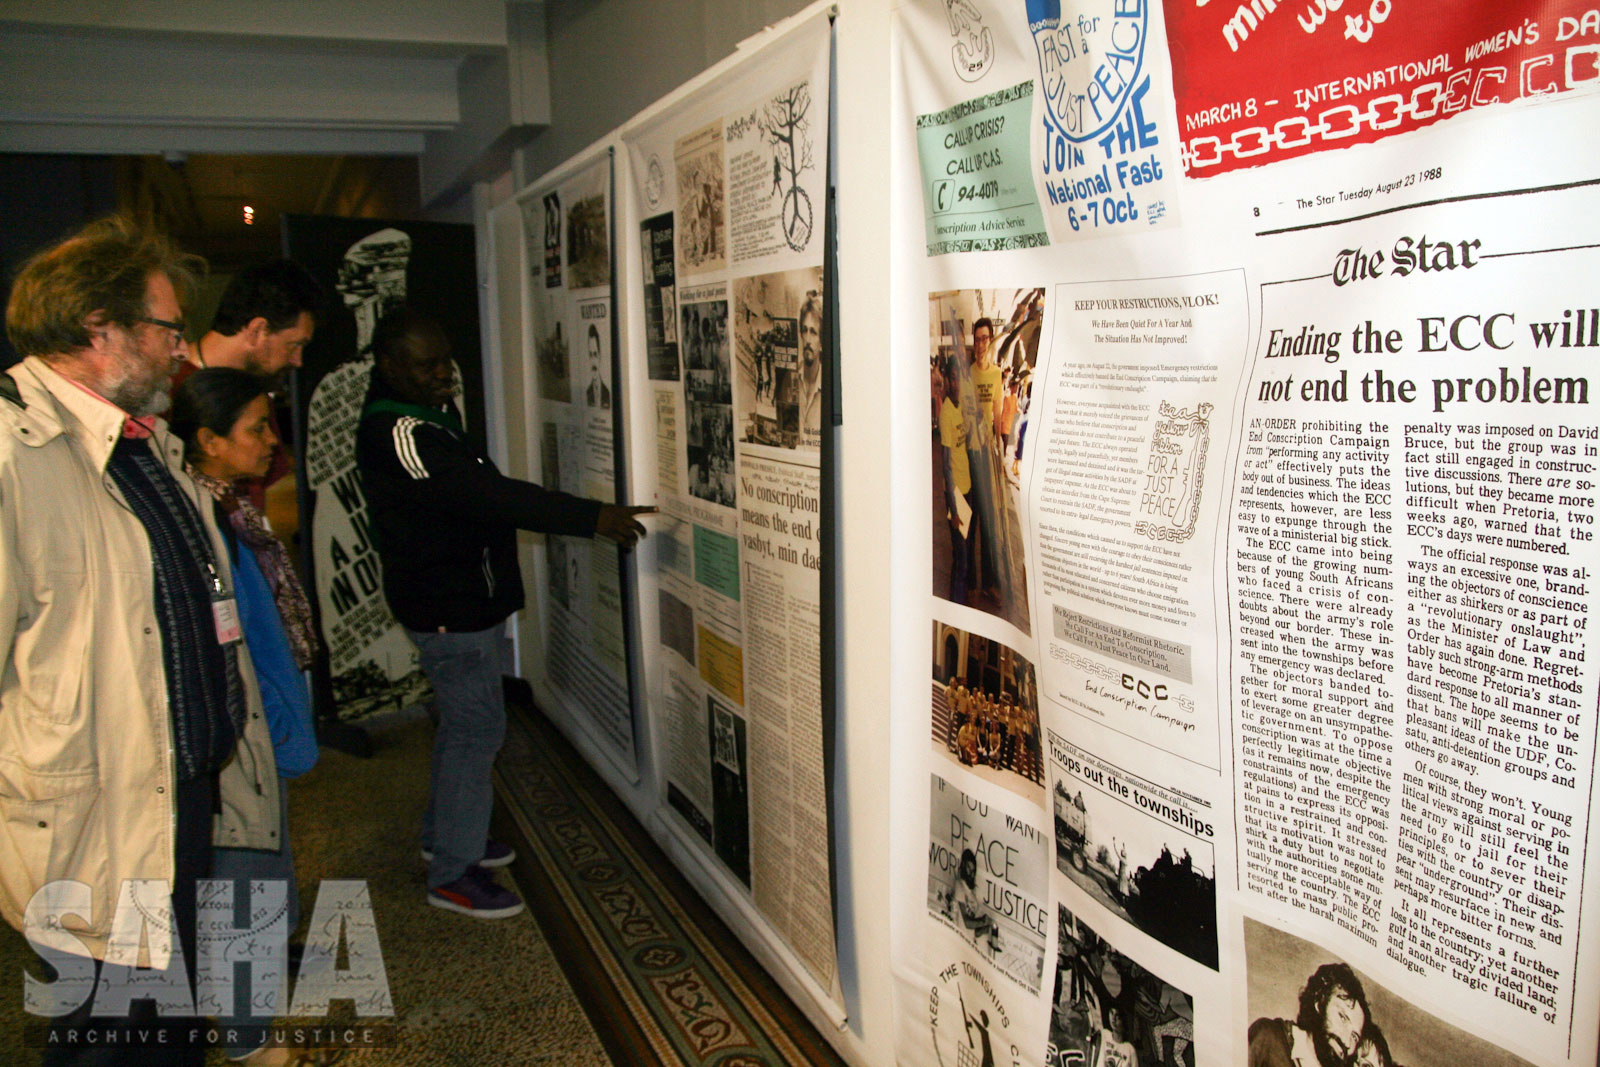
86,753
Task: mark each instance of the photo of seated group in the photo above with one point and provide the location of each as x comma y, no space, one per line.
986,710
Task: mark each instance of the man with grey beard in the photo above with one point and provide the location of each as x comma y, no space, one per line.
131,729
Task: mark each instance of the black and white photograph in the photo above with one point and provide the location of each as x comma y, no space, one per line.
985,710
701,231
588,250
1309,1008
988,876
775,374
730,788
660,299
707,371
554,366
552,240
1107,1009
708,401
597,368
1158,874
710,452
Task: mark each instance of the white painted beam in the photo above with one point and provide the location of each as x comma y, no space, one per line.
52,78
504,100
453,26
528,57
142,139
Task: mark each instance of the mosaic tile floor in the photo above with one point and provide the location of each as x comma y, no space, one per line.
664,979
613,933
465,992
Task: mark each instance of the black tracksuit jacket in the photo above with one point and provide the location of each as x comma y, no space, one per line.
444,519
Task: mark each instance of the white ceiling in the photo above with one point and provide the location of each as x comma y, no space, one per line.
456,83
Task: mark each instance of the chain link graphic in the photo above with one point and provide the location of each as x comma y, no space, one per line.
1333,124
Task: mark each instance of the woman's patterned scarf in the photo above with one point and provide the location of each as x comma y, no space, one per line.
250,526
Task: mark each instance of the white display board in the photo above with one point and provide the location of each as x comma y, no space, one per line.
570,276
718,252
729,186
1253,532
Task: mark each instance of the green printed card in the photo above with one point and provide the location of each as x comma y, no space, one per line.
977,183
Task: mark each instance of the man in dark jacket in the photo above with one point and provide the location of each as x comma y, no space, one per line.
444,521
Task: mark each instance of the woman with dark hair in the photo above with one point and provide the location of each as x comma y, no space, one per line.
224,417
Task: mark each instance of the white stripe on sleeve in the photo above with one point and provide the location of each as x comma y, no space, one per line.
405,446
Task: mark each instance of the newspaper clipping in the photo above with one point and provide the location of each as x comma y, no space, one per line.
731,248
1262,538
568,231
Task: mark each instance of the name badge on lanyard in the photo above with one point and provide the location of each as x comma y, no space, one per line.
224,611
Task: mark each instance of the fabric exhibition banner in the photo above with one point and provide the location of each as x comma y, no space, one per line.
730,185
571,287
1259,531
368,267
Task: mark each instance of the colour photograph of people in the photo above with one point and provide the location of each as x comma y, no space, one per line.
986,710
983,345
1309,1008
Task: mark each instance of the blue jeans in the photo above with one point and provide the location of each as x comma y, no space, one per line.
464,670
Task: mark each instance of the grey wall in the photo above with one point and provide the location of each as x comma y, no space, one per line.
610,59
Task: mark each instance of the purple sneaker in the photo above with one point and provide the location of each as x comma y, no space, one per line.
494,854
476,894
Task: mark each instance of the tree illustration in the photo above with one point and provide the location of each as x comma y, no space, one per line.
783,122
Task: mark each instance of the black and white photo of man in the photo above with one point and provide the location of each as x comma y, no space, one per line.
1312,1009
598,395
1325,1031
811,367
